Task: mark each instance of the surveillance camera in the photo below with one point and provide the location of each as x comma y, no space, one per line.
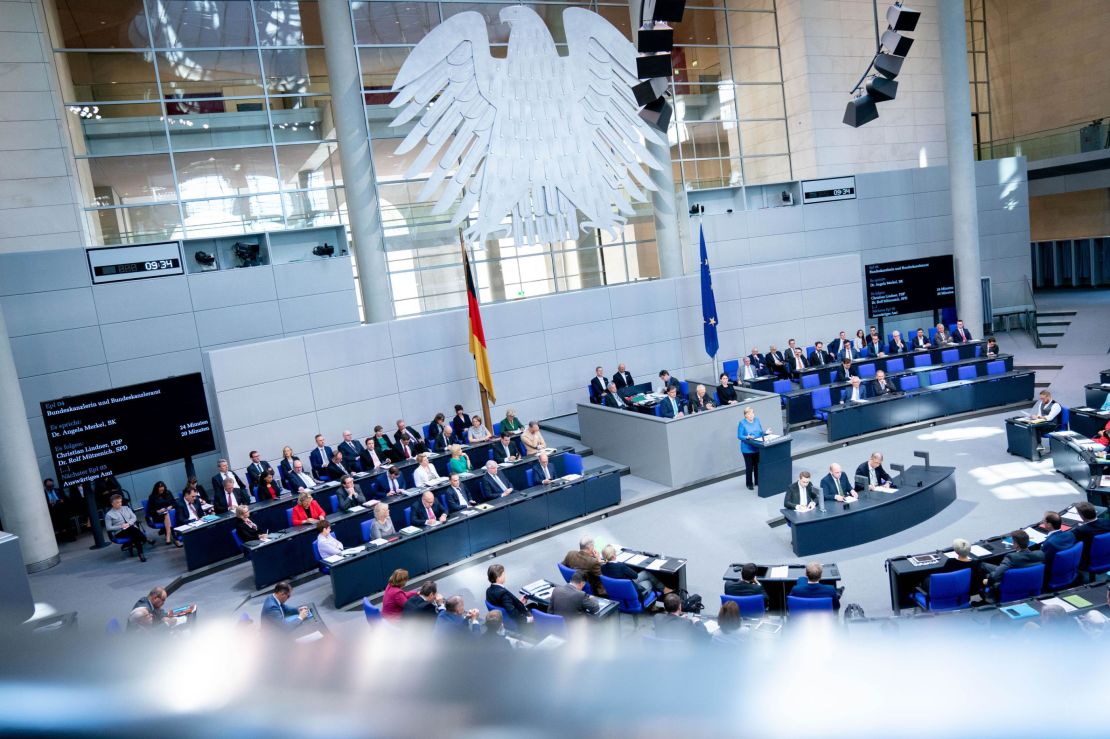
204,258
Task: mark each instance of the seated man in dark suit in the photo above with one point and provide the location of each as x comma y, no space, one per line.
775,361
671,624
1057,541
498,595
820,355
811,586
838,343
611,399
992,347
393,483
747,584
585,558
222,474
404,449
758,362
415,438
494,484
349,496
897,346
873,470
505,449
874,346
568,600
424,606
351,449
1020,557
256,468
644,581
1091,527
189,507
854,392
457,496
320,457
230,497
543,472
921,341
671,406
795,363
836,486
370,458
844,372
961,335
427,511
300,480
801,495
881,386
460,422
336,469
598,383
848,350
622,378
668,381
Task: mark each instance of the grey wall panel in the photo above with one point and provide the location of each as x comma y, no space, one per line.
777,248
575,374
238,323
298,279
422,405
833,241
647,328
358,382
435,331
769,309
264,402
688,290
575,341
54,385
567,401
256,363
830,215
522,383
882,184
128,301
769,279
360,417
836,298
839,270
268,438
933,203
39,354
500,320
149,336
232,287
230,344
532,409
346,347
37,313
322,310
513,352
776,333
145,369
575,309
775,221
643,362
43,271
828,326
435,366
729,253
885,209
642,297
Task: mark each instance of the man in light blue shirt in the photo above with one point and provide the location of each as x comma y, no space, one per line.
671,407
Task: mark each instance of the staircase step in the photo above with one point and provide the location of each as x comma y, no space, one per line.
1049,346
1041,385
1057,313
1035,367
1053,323
1045,334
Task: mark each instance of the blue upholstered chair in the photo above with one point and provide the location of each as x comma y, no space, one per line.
1020,583
948,591
751,606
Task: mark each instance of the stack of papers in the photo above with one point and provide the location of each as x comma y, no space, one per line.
624,556
637,560
779,572
378,542
1035,536
1071,515
979,551
712,627
1068,607
571,477
410,530
353,550
356,509
333,559
656,564
1078,601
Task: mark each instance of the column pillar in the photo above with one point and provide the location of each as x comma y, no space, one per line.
349,113
663,199
22,504
961,163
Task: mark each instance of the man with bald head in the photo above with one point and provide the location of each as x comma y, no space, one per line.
351,449
427,511
542,472
836,486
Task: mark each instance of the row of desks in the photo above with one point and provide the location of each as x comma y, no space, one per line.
211,541
852,419
799,403
1077,458
1095,393
778,584
826,372
905,576
465,533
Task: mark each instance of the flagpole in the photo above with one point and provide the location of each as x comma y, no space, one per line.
481,389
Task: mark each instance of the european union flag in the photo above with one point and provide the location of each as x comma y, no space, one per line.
708,304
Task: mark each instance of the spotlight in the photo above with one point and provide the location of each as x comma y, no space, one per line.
860,110
880,89
888,66
657,114
649,90
204,258
901,18
666,11
652,40
323,250
653,65
247,254
896,44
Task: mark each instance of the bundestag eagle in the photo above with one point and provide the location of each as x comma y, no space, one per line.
535,136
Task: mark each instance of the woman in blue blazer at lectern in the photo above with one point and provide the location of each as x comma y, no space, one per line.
750,428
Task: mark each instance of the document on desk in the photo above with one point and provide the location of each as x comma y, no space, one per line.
779,572
1068,607
1104,482
333,559
979,551
1071,515
712,627
356,509
571,477
353,550
625,556
770,437
637,560
1035,536
657,564
378,542
950,555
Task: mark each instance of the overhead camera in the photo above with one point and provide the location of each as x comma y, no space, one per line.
247,254
324,250
204,258
696,209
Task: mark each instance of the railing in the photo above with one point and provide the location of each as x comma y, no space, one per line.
1074,138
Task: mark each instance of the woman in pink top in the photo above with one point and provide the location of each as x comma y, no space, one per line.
395,594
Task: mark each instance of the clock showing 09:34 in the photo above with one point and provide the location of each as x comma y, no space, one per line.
117,264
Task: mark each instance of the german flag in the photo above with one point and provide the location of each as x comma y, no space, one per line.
477,335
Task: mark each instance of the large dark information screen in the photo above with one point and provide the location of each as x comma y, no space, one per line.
912,286
124,429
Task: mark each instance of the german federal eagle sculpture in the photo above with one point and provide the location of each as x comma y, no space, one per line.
536,137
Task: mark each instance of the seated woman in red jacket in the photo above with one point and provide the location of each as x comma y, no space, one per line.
1103,435
307,510
395,594
268,488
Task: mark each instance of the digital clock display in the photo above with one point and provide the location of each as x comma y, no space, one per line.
833,188
122,263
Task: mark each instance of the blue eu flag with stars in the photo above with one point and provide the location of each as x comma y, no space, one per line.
708,304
